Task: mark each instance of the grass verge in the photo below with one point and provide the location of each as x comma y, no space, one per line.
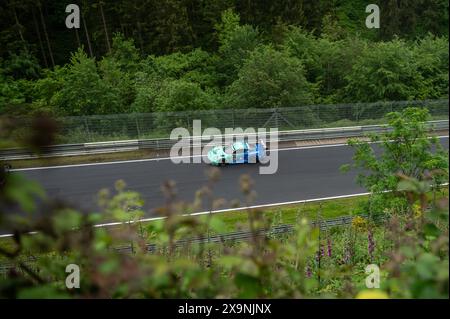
87,159
287,214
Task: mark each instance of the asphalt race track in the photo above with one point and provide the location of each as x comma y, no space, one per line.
305,173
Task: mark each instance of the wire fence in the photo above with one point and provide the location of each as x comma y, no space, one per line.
232,237
96,128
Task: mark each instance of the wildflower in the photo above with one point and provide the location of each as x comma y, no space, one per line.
359,224
417,212
329,247
308,271
348,253
320,253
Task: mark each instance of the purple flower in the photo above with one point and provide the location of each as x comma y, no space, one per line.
320,253
308,271
329,251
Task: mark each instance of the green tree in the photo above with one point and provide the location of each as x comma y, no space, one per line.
327,62
385,71
236,43
412,19
147,86
270,78
83,91
181,95
406,150
196,66
45,90
22,66
431,59
118,85
15,96
163,78
124,53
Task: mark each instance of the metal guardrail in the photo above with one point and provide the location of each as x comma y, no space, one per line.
245,235
198,141
223,238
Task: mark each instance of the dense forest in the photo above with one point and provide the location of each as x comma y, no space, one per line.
169,55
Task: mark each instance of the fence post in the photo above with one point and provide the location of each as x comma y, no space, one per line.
357,114
232,115
276,118
188,123
137,128
87,129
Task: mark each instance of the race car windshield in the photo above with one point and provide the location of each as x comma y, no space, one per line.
236,147
228,149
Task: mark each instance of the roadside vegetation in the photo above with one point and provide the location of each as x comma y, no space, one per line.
243,64
403,231
145,60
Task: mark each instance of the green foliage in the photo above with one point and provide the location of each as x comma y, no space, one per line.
412,253
412,19
236,43
327,62
82,90
124,52
296,61
422,246
269,79
181,95
411,249
431,59
46,90
15,95
147,89
118,85
385,71
168,26
406,150
21,66
196,66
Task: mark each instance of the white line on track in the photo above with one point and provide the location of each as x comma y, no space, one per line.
178,157
303,201
295,202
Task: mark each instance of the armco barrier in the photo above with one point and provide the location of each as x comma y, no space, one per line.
242,235
196,141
